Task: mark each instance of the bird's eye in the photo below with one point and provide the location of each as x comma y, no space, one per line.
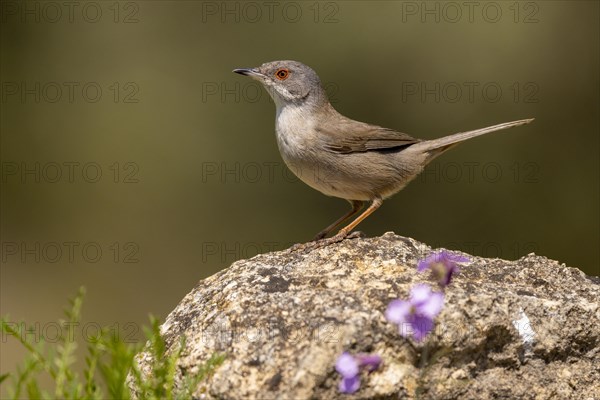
282,74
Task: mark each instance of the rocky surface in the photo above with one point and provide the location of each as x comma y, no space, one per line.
524,329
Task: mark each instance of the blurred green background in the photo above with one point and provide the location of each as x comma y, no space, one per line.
135,163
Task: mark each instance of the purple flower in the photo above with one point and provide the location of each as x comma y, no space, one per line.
349,367
416,313
370,361
443,265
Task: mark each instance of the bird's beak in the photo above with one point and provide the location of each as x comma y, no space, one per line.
251,72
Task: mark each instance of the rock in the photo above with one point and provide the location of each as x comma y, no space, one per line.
524,329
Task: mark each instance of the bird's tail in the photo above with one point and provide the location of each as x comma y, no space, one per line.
437,146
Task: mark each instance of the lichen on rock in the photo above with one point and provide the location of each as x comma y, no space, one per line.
527,329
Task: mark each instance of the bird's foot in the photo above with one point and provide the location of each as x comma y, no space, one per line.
320,243
321,235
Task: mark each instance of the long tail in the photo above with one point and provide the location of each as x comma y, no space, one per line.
438,146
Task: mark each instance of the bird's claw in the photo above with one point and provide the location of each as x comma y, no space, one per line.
320,243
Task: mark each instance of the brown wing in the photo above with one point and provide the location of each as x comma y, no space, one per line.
361,137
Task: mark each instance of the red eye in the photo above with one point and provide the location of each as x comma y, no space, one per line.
282,74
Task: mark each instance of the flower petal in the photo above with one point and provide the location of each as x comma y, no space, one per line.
435,257
346,365
370,361
424,264
419,294
443,257
432,306
397,311
456,258
349,385
422,325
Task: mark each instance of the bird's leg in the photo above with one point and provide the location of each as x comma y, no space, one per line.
357,205
375,204
343,233
318,242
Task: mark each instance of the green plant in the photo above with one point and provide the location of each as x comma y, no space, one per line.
109,361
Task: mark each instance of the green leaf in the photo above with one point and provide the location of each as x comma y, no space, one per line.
108,363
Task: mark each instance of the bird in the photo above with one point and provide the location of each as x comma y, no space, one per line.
338,156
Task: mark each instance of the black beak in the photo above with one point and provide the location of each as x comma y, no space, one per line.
252,72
